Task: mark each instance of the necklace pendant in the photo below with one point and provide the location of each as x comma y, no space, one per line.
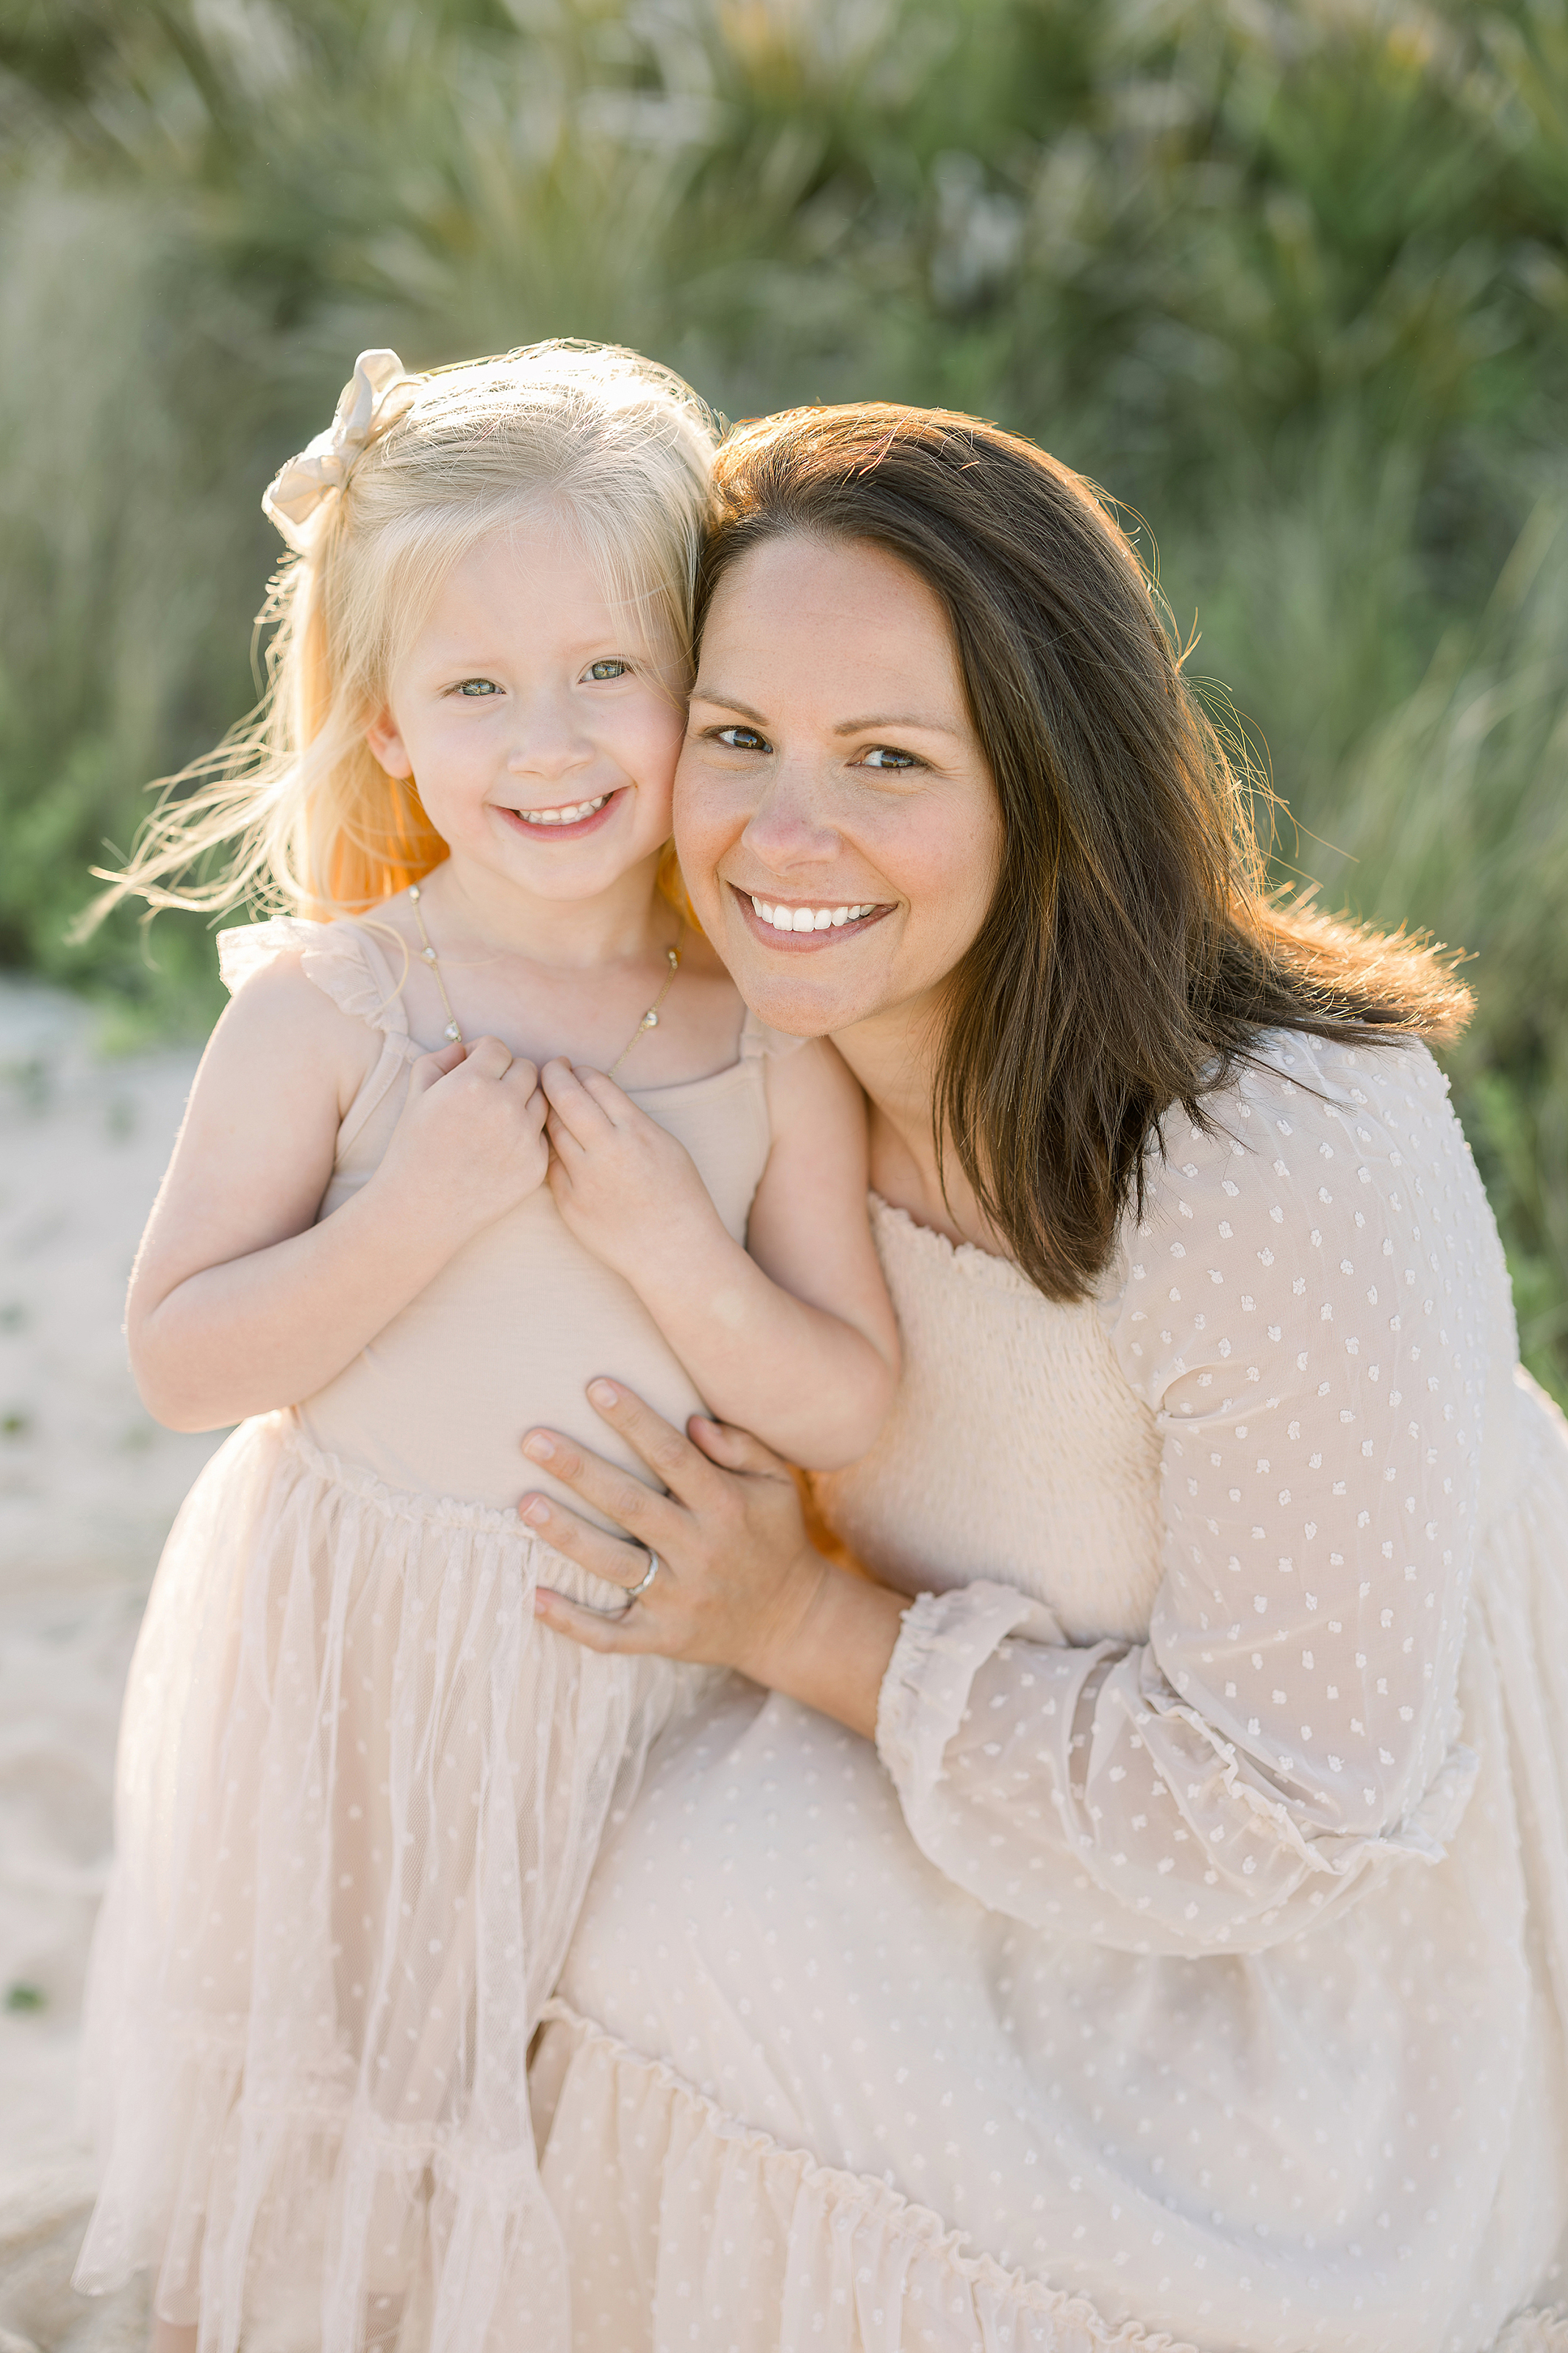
455,1034
650,1018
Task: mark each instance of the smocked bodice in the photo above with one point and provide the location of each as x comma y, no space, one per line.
1064,1502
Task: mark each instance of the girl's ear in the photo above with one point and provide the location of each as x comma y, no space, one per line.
387,746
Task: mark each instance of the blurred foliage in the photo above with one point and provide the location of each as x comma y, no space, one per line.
1287,275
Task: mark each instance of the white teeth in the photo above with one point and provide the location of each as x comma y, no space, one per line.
807,918
563,816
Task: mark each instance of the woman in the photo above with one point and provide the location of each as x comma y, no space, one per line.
1186,1954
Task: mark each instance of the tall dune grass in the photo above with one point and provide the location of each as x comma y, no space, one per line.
1288,277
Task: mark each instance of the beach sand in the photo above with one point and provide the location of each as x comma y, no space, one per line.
89,1485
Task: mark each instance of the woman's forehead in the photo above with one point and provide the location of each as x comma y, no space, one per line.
832,609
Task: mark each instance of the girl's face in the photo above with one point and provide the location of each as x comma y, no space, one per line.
837,825
541,730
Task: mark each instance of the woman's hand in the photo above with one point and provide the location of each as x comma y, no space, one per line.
470,1142
739,1585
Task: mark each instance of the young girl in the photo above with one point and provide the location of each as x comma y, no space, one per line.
495,1127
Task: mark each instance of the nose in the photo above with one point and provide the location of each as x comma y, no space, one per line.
792,825
547,740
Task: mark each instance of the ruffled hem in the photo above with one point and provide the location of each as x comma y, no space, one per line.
337,2225
711,2218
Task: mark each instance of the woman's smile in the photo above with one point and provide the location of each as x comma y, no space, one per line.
797,925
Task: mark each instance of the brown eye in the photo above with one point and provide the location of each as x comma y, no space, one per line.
742,739
883,755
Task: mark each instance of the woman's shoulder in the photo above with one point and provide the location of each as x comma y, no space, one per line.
1342,1100
357,962
1307,1135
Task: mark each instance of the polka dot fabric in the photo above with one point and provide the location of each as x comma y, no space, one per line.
1185,1965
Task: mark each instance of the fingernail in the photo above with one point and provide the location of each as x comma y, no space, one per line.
537,1509
601,1393
539,1447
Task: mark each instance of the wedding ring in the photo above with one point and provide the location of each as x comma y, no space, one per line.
635,1592
630,1591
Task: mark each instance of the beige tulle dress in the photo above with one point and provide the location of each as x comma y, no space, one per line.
360,1788
1187,1962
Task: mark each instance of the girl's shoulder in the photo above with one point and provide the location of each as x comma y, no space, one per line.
359,962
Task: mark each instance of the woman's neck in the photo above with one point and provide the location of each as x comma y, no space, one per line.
894,1056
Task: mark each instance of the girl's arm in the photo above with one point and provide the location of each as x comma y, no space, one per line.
240,1302
793,1336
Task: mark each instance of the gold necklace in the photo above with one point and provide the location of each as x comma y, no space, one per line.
649,1020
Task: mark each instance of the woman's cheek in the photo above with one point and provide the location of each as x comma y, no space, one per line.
705,825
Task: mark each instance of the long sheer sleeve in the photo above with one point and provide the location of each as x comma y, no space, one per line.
1298,1311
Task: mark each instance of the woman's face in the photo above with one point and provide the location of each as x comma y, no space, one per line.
835,814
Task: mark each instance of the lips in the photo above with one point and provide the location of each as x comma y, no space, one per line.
564,820
785,922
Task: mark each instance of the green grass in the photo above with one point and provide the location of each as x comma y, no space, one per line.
1293,283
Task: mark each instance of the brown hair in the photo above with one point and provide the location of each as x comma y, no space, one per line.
1131,955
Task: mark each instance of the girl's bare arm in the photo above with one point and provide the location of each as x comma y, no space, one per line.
240,1302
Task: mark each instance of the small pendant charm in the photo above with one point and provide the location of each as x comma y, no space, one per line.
455,1034
650,1018
674,955
428,954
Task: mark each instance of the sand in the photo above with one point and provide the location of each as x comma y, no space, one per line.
89,1485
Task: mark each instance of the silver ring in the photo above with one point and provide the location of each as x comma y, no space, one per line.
635,1592
630,1591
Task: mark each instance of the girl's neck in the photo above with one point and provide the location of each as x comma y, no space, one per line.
894,1056
482,912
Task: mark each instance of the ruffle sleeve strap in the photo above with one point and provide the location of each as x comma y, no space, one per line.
347,961
343,960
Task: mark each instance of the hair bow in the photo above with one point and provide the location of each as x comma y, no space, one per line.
298,498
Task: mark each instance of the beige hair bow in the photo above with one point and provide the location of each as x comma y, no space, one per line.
301,495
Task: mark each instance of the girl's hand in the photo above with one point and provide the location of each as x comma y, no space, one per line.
470,1143
739,1585
623,1185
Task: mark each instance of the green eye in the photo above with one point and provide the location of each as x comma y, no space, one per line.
607,670
479,686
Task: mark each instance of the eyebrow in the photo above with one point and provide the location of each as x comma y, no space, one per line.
905,719
845,727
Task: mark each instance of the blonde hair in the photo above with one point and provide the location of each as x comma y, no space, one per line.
313,823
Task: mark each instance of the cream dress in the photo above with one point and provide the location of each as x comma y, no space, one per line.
1187,1961
360,1789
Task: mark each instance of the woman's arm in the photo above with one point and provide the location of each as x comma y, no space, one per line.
1307,1331
1305,1314
793,1336
240,1302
